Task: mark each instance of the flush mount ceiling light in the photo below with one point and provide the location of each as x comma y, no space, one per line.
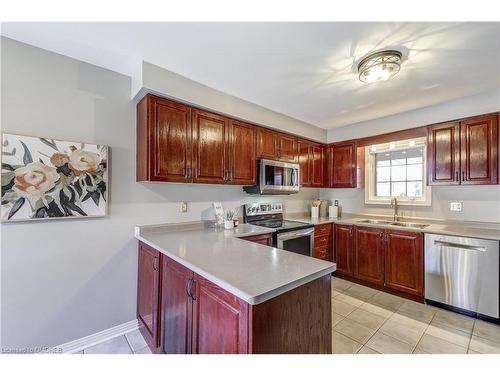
379,66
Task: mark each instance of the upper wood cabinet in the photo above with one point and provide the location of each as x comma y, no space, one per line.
479,150
463,153
242,159
287,148
312,160
342,165
276,146
148,284
267,143
163,140
210,144
404,261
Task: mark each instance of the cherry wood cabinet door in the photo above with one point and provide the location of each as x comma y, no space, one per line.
263,239
343,242
220,320
443,154
404,261
267,143
163,140
210,138
304,148
242,161
176,308
148,293
317,166
343,165
479,147
287,148
369,254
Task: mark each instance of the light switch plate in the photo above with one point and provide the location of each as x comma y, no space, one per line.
456,206
184,206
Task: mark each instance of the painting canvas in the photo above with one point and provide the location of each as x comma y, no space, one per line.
45,178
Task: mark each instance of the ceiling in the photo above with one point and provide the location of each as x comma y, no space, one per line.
304,70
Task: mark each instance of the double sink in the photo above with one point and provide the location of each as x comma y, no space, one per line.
394,223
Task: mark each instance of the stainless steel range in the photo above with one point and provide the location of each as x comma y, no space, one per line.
294,236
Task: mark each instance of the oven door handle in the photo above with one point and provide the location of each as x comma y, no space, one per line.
292,235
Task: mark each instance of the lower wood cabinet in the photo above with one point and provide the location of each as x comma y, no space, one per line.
369,254
323,242
392,259
182,312
148,287
263,239
404,261
343,239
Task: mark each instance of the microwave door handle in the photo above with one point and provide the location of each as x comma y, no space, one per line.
294,177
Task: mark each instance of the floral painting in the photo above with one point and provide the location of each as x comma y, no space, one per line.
44,178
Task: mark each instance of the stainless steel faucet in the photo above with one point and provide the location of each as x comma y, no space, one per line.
394,204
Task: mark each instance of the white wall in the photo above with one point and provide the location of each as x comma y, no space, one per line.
61,280
155,79
454,109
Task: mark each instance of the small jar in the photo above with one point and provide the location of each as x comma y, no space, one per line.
236,222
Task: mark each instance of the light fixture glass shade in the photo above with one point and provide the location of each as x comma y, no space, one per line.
379,66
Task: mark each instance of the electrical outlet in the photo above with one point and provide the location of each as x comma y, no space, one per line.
184,206
456,206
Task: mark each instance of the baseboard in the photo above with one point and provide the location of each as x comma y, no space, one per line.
96,338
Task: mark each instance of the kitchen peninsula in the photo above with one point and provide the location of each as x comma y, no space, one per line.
208,290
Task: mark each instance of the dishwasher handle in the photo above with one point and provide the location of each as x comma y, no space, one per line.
459,245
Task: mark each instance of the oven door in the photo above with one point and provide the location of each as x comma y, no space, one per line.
297,241
278,177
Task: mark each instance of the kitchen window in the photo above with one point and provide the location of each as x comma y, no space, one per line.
397,169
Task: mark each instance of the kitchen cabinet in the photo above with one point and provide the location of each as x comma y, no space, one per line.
391,260
369,254
242,159
163,140
210,143
479,150
148,286
463,152
323,242
312,163
176,308
276,146
342,165
267,143
287,148
404,261
219,320
343,240
182,312
263,239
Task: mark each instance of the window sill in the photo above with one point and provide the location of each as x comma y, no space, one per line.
401,202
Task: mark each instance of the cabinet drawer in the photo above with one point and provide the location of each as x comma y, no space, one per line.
323,230
321,241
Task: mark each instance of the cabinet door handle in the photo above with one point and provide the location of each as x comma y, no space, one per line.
188,287
463,175
155,263
193,285
456,176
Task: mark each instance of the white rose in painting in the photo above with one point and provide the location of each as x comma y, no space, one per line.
34,180
82,161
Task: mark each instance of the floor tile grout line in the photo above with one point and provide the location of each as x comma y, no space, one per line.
129,344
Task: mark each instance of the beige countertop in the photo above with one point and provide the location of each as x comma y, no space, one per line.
488,231
253,272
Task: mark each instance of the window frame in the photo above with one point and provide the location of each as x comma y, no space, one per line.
370,180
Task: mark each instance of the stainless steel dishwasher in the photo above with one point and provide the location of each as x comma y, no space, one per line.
463,273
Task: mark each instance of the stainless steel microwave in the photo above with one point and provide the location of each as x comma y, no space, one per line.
276,178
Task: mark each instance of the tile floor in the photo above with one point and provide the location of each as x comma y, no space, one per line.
129,343
366,321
